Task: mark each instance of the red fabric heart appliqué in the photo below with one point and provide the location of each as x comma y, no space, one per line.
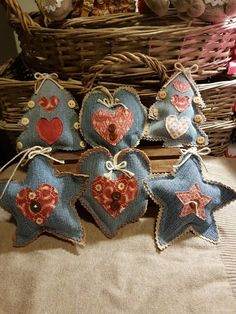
49,104
37,206
181,103
116,195
49,131
181,87
112,126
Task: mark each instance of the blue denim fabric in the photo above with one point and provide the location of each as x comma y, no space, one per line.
63,221
94,165
163,189
157,129
130,99
70,139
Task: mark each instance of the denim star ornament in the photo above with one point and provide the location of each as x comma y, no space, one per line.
51,119
187,201
44,202
113,121
114,193
176,116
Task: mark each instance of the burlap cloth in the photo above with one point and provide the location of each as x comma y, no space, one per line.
126,274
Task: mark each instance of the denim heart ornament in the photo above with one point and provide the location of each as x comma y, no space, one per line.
114,193
176,116
51,119
113,121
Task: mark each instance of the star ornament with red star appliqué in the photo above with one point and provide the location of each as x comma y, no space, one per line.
194,202
187,202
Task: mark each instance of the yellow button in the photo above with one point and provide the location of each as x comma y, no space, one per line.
24,121
198,118
76,125
146,132
31,104
39,221
82,144
71,104
121,186
200,140
19,145
197,100
32,196
162,94
155,112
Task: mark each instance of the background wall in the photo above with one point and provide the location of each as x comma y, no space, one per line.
9,44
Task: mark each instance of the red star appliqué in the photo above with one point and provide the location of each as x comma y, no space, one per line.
194,202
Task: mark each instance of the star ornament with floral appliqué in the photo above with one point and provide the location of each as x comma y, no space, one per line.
44,202
187,202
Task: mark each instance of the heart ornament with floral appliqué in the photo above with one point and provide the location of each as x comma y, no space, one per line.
37,205
114,121
114,194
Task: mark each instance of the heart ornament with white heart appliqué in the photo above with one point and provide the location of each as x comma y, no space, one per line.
114,195
114,121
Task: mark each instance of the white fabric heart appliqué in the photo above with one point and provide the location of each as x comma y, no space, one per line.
177,127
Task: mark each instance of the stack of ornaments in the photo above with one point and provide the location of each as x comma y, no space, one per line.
114,179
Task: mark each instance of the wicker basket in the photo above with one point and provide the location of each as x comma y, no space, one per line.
72,47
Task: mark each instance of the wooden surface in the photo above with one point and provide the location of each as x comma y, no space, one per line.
162,159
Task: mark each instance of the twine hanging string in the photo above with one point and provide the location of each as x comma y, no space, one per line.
110,101
42,77
187,153
114,166
27,155
187,72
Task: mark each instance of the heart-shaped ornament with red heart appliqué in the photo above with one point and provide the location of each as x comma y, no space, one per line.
49,104
37,206
181,103
115,196
112,126
49,131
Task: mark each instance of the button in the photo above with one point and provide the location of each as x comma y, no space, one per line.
76,125
115,206
200,140
162,94
111,128
116,196
113,136
198,118
197,100
35,206
121,186
82,144
71,104
24,121
32,196
194,204
146,132
19,145
31,104
98,187
155,112
39,221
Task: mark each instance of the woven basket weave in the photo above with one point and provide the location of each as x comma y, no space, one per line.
219,96
72,47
